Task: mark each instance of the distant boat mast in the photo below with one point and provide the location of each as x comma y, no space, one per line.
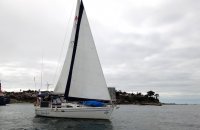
42,65
0,86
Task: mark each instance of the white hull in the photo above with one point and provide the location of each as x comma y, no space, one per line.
82,112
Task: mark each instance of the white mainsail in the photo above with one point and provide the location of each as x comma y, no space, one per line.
87,79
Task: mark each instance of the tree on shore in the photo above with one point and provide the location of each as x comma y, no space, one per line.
138,98
156,96
150,93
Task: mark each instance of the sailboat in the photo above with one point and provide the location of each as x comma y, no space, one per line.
81,90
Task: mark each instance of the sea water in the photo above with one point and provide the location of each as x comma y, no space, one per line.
127,117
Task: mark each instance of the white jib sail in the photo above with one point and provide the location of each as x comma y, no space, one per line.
62,81
87,77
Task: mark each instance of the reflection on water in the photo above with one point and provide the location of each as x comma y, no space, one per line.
44,123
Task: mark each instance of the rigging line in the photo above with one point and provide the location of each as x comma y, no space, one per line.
34,82
62,47
42,70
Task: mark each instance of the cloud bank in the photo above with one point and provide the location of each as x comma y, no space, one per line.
142,45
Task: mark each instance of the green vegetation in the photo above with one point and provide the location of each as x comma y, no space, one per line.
151,98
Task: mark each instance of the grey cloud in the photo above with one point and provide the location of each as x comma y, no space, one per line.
142,46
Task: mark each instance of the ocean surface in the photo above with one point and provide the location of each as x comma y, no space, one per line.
127,117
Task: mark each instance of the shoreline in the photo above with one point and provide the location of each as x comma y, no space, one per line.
30,96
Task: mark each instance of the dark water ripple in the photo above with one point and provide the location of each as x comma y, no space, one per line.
128,117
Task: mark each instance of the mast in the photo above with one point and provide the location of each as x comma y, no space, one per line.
74,49
0,86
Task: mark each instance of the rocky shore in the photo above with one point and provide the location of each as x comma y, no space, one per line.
121,97
21,97
150,98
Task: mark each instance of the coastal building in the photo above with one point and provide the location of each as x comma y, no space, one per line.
112,92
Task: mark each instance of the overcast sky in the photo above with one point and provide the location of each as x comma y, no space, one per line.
142,45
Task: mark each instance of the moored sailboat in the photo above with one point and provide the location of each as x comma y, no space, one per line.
81,90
